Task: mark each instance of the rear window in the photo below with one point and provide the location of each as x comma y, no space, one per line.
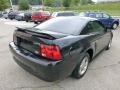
45,13
36,13
82,14
63,25
65,14
92,15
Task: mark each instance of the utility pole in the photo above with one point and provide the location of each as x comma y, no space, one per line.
11,4
43,5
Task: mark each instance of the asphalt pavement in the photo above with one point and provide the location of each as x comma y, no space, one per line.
103,72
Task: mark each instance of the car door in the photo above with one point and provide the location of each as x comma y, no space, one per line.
94,36
103,37
106,20
99,38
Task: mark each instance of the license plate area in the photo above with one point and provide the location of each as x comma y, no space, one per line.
28,45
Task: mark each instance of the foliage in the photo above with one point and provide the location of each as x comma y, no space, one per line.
23,5
57,3
83,2
3,4
111,8
49,3
66,3
75,2
35,2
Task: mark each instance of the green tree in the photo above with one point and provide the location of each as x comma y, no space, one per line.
57,3
66,3
75,2
49,3
89,1
35,2
23,5
3,4
83,2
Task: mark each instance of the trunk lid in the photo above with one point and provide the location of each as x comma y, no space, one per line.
30,39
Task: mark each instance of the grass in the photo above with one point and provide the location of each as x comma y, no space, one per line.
111,8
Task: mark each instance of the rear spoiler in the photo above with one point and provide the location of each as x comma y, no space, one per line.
35,33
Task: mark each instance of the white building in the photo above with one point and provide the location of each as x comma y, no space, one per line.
98,1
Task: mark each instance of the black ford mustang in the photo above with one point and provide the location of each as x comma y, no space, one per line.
60,47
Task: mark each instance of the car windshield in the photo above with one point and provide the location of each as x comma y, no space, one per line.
71,25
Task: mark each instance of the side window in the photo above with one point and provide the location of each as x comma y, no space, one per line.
99,15
96,27
92,15
105,16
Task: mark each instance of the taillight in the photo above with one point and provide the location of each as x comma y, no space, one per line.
51,51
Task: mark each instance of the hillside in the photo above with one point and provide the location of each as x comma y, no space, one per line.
112,8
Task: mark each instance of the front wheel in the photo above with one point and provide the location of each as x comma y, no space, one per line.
81,68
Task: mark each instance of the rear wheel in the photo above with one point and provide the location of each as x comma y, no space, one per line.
109,45
114,26
11,18
81,68
35,22
26,20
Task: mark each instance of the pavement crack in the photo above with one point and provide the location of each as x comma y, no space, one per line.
60,87
112,65
39,87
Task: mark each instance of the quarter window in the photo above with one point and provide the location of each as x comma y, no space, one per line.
92,27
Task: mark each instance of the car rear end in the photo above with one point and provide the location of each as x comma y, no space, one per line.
12,15
20,17
45,15
49,50
37,53
62,14
35,16
40,16
27,16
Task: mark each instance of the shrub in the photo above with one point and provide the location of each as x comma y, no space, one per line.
23,5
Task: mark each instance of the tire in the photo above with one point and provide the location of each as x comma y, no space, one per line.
26,20
114,26
109,45
35,22
78,72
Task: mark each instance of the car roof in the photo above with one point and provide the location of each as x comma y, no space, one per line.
86,19
64,12
93,12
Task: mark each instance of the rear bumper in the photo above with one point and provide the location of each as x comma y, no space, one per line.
11,16
46,70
